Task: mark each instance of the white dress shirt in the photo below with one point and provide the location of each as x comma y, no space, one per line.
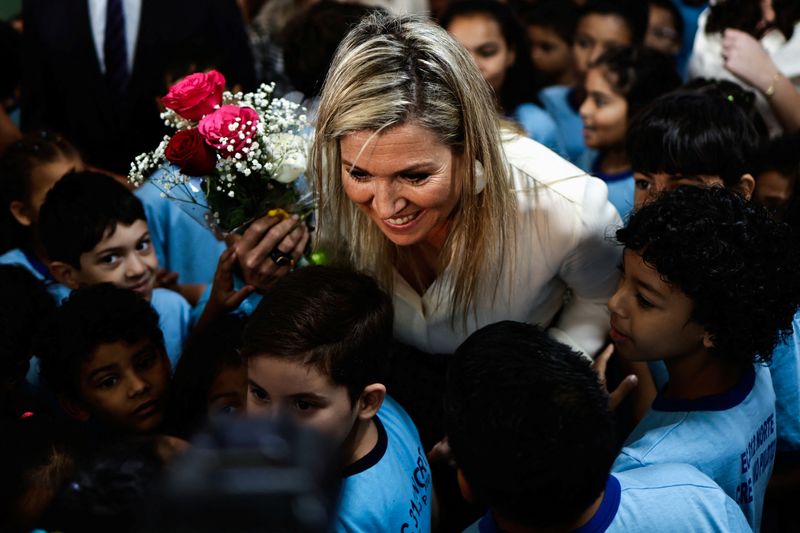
564,257
97,17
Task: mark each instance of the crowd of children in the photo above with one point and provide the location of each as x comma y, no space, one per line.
127,329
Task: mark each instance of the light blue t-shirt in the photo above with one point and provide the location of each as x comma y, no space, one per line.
174,318
730,437
620,187
669,497
555,100
182,244
785,371
389,489
539,126
39,271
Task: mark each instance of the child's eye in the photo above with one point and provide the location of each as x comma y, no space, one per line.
487,51
643,302
583,42
146,362
642,184
258,394
143,245
109,259
303,405
107,382
229,409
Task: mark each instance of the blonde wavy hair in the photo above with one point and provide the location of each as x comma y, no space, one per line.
393,70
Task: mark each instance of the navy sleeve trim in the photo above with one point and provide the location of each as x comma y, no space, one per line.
607,511
717,402
374,455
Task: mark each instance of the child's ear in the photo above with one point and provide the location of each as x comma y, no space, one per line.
746,186
64,273
708,340
463,485
73,409
20,212
371,400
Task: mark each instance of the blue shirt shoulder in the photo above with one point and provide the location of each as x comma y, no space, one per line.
556,101
389,489
539,126
785,372
174,318
39,270
730,437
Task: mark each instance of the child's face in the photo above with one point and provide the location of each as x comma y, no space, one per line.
481,35
596,33
279,386
649,185
604,113
228,392
651,320
125,258
42,179
661,32
125,385
773,191
551,55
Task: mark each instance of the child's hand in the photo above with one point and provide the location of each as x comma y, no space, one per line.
223,297
441,452
625,387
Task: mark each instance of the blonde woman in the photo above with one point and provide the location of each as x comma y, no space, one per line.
464,223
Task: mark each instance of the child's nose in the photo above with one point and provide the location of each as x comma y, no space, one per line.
135,266
137,385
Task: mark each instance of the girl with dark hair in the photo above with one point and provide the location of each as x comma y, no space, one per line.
497,42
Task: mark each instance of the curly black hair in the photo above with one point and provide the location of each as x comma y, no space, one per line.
730,257
100,314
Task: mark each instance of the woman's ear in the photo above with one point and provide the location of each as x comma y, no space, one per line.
371,400
73,409
746,186
20,212
64,274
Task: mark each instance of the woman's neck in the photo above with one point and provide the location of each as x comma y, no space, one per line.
422,263
614,161
698,375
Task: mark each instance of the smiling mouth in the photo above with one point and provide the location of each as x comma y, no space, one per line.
402,221
141,286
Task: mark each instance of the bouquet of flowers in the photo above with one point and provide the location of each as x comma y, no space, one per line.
233,157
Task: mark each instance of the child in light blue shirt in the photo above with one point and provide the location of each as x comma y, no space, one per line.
533,439
710,284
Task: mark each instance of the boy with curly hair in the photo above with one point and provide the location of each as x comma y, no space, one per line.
710,284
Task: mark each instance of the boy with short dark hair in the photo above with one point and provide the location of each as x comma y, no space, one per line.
103,355
533,438
94,231
317,348
710,284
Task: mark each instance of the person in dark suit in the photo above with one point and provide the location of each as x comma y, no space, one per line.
86,77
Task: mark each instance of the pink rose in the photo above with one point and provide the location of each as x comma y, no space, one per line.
188,150
229,129
196,95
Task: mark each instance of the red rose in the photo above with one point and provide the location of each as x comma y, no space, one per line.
189,151
196,95
229,129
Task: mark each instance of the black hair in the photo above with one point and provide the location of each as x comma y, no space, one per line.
520,84
311,38
557,15
638,74
11,71
529,425
80,210
782,155
24,303
690,134
746,15
111,490
633,12
16,167
335,320
204,356
677,19
735,263
90,317
735,94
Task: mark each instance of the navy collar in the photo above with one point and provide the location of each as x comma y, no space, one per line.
608,178
599,522
38,266
716,402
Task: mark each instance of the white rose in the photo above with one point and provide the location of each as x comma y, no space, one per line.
291,151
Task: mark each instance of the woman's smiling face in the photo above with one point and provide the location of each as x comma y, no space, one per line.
403,179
